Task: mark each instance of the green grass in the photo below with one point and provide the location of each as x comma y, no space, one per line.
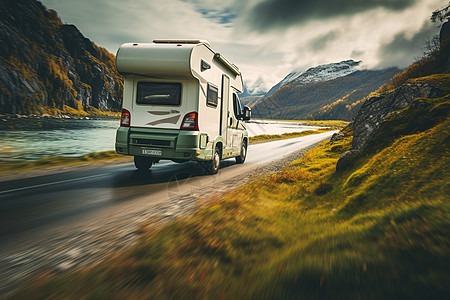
7,167
377,231
274,137
333,124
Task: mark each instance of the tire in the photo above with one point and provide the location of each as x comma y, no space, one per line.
143,163
213,166
241,158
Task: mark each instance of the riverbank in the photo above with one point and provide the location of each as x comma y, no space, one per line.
31,139
11,169
274,137
87,116
333,124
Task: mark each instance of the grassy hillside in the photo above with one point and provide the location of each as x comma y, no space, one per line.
329,100
378,230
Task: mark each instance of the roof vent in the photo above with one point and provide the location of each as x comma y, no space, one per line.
182,42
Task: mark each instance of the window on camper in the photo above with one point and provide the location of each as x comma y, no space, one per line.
158,93
212,95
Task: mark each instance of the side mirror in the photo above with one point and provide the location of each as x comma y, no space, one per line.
247,113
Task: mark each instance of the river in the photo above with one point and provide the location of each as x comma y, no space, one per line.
35,138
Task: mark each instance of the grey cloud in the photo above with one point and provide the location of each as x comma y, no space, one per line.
217,13
323,41
269,14
225,16
357,53
403,48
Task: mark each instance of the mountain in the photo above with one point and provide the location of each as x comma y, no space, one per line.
255,90
317,74
330,91
251,100
50,67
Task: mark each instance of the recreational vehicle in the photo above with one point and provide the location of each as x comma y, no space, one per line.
180,103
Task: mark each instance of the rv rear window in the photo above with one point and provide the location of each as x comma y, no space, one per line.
212,95
158,93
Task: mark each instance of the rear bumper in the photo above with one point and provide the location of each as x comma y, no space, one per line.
170,144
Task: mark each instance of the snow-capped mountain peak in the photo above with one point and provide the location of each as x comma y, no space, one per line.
326,72
317,74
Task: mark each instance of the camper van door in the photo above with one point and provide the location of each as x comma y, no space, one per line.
235,132
225,110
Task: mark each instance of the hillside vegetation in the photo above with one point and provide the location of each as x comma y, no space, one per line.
50,67
376,230
329,100
250,100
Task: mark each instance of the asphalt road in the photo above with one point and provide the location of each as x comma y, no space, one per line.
63,221
31,205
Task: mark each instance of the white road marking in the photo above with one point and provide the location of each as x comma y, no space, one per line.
49,183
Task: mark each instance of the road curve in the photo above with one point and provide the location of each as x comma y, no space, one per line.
38,215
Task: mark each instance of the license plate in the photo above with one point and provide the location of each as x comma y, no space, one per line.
152,152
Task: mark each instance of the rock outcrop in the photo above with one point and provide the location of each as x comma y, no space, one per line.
45,64
414,107
376,108
444,41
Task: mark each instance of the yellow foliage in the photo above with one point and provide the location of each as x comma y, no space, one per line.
18,65
67,110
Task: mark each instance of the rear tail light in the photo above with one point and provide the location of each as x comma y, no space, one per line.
125,120
190,122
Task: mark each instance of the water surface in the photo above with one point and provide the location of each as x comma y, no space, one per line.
30,139
35,138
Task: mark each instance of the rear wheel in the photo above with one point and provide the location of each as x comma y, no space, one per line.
143,163
213,166
241,158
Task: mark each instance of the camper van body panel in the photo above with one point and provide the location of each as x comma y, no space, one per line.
152,60
160,115
208,79
191,72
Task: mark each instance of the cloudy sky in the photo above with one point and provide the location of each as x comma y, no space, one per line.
266,39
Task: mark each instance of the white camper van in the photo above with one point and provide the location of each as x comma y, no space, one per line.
180,103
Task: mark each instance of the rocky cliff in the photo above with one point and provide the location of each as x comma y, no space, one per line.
379,108
414,107
48,66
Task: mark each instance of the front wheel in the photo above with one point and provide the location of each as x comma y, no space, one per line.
213,166
241,158
143,163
